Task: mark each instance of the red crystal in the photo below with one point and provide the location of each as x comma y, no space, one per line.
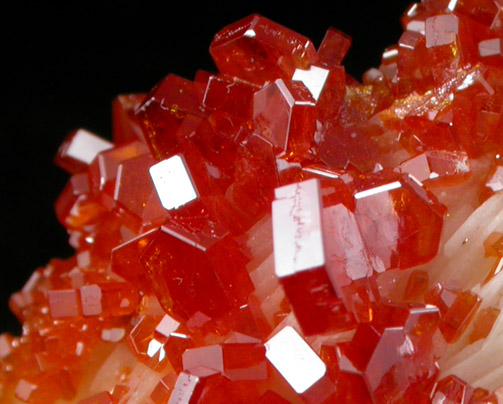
285,114
79,149
125,127
278,232
258,50
397,359
483,323
450,390
457,310
399,219
300,261
241,361
334,46
220,283
163,110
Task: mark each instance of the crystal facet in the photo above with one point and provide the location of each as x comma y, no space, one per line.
278,232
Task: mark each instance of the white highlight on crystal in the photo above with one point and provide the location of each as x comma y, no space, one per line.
178,335
297,228
5,346
79,348
314,79
282,165
452,5
167,326
85,146
467,81
441,30
416,26
496,181
172,182
155,347
499,267
294,359
389,54
412,11
285,92
112,334
90,296
490,47
377,190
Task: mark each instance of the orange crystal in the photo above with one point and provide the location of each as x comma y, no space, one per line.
268,233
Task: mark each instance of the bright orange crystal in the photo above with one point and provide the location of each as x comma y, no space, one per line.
279,232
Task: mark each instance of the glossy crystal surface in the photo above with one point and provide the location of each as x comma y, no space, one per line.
279,232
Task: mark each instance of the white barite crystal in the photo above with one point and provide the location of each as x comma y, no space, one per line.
462,353
481,364
294,359
107,374
142,381
495,183
297,228
173,183
462,260
85,146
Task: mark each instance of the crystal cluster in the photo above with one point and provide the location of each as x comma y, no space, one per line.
279,232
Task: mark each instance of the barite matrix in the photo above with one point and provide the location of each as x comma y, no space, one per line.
282,233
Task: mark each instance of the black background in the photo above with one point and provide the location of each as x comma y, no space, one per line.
65,63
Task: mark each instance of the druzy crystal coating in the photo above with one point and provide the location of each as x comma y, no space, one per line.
279,232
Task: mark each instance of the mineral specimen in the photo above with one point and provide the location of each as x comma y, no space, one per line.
278,232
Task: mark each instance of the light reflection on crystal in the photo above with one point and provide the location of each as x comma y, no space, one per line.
172,183
85,146
294,359
374,278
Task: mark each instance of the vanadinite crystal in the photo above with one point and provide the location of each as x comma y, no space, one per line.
279,232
